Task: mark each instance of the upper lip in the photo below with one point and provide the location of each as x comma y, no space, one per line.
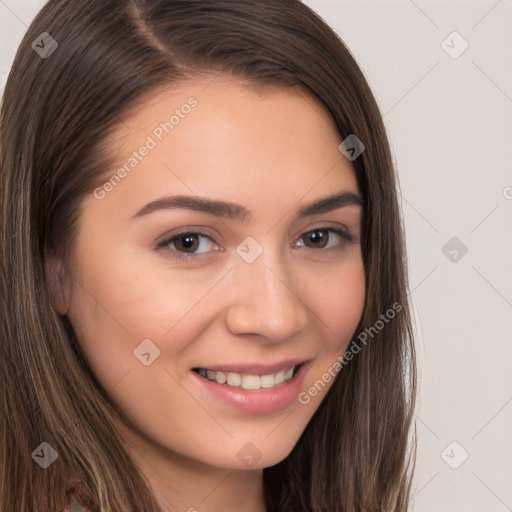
254,369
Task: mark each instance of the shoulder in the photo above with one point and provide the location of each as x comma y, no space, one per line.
76,502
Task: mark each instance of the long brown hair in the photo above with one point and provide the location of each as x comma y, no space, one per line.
57,111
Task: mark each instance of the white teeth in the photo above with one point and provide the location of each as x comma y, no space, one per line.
249,382
279,377
234,379
267,381
220,377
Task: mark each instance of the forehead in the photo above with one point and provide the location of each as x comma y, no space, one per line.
227,139
220,102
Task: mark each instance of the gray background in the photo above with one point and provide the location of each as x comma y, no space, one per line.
449,123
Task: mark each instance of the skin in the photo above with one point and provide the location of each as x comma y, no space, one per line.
272,153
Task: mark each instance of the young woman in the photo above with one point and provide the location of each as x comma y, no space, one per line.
204,281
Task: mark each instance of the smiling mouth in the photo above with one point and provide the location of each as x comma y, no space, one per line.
249,381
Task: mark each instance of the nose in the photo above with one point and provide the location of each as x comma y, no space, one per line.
266,300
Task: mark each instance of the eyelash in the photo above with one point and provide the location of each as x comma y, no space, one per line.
344,235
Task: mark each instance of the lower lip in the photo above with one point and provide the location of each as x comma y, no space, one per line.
258,401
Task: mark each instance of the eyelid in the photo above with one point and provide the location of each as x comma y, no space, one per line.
168,237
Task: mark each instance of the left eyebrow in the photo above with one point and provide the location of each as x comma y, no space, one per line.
238,212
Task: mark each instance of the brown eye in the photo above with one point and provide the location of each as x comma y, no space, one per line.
319,238
190,244
186,242
185,245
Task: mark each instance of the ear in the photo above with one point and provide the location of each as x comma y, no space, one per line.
59,283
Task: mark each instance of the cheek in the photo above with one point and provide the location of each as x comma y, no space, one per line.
337,301
120,303
350,303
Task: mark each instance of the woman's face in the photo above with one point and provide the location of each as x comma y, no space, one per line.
237,288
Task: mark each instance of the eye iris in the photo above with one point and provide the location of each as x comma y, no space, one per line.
189,243
318,236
